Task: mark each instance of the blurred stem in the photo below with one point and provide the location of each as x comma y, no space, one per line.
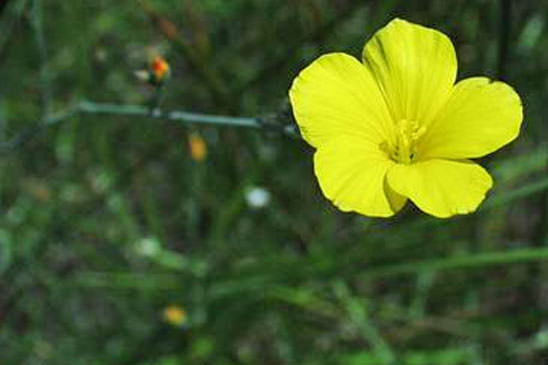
304,299
356,310
424,282
196,173
156,99
230,286
128,280
153,216
38,25
504,37
516,194
27,134
461,261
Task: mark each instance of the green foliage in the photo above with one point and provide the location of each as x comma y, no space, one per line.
107,219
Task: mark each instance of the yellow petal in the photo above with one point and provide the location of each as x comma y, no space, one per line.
336,95
351,172
480,117
415,67
397,201
441,188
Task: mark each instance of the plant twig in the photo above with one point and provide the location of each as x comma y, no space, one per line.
175,115
28,133
279,122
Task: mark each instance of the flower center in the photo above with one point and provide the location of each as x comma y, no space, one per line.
402,147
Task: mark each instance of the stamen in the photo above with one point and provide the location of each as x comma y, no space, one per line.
402,148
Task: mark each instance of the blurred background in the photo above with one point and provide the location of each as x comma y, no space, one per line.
129,240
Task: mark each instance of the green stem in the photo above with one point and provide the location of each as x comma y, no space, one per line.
516,194
121,280
356,309
87,107
131,280
178,116
461,261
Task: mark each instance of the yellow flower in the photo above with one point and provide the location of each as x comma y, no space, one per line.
197,147
397,127
175,316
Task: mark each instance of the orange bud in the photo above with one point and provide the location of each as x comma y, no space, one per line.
160,69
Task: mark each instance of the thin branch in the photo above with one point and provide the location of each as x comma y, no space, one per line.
174,116
279,122
28,133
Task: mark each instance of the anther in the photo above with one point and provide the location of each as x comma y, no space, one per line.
403,148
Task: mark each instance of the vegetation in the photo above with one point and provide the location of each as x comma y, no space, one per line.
110,214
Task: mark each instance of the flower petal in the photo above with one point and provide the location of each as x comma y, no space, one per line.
415,67
351,173
480,117
441,188
336,95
